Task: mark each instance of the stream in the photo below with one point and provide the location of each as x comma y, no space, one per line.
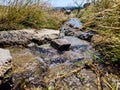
42,67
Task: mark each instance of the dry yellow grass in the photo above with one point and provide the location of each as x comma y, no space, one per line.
26,14
104,18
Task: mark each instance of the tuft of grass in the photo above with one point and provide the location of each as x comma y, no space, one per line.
104,18
19,14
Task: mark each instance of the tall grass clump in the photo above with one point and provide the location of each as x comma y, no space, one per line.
18,14
103,17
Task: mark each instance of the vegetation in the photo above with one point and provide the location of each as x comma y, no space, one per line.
28,14
104,18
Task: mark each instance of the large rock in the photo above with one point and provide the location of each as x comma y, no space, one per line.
24,37
5,61
19,37
45,35
61,44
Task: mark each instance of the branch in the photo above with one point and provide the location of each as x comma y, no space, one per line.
65,75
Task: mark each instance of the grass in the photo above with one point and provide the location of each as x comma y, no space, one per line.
21,14
104,18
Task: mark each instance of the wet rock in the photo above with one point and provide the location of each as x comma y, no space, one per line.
69,31
61,44
74,23
43,50
24,37
45,35
20,37
86,35
57,59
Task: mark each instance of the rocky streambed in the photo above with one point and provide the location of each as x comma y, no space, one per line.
40,66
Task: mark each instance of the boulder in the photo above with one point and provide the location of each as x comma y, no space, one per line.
45,35
61,44
5,61
19,37
24,37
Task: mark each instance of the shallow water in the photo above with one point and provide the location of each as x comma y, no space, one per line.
42,66
74,22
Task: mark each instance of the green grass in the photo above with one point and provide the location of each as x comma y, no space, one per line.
28,14
104,18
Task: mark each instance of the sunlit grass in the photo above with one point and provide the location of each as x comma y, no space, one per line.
28,14
104,18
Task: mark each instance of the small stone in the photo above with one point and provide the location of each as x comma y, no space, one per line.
61,44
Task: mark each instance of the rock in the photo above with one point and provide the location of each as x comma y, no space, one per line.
69,31
74,23
45,35
25,37
5,64
61,44
86,35
18,37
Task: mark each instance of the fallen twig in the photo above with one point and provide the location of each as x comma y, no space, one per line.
117,28
65,75
99,75
103,79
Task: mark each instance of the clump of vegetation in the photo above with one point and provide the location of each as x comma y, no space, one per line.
103,17
20,14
